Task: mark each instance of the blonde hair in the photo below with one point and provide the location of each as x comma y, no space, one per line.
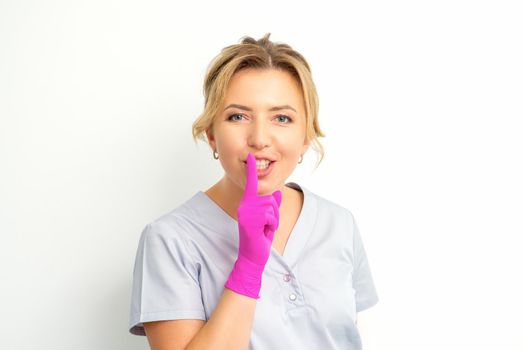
258,54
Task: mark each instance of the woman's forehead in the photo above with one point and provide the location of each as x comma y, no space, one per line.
263,90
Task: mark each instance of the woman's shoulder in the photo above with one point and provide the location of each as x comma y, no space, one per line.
175,222
324,204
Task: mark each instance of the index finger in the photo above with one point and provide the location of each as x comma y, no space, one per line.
250,189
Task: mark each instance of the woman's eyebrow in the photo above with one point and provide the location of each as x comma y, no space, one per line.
276,108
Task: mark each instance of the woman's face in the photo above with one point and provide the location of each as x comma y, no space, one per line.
256,126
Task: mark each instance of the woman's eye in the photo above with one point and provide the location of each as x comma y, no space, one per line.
234,115
282,115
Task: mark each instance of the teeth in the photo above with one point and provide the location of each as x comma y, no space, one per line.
262,164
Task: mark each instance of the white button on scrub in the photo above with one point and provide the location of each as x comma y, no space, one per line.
292,297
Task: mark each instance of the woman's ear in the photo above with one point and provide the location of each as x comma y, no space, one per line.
211,138
306,145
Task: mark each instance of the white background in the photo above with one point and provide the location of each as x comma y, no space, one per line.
422,104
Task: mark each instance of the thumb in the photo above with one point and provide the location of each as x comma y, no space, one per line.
278,197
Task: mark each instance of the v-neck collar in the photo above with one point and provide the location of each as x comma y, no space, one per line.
221,221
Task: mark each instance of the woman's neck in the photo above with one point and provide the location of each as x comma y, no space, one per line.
228,196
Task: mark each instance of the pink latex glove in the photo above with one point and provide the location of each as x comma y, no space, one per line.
258,219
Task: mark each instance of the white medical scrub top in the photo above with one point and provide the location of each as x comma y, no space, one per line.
309,296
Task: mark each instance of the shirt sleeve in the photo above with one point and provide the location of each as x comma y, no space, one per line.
363,283
165,279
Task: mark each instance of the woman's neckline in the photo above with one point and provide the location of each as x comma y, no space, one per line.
293,185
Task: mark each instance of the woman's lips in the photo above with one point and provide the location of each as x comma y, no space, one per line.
266,171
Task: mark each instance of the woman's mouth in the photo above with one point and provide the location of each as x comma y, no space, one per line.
262,172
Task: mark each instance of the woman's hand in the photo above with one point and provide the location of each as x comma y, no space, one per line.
258,219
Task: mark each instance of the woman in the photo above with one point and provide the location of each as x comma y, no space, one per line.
254,262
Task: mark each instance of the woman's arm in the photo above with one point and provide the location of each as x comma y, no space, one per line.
229,326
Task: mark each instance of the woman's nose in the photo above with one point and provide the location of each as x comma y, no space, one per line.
259,134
